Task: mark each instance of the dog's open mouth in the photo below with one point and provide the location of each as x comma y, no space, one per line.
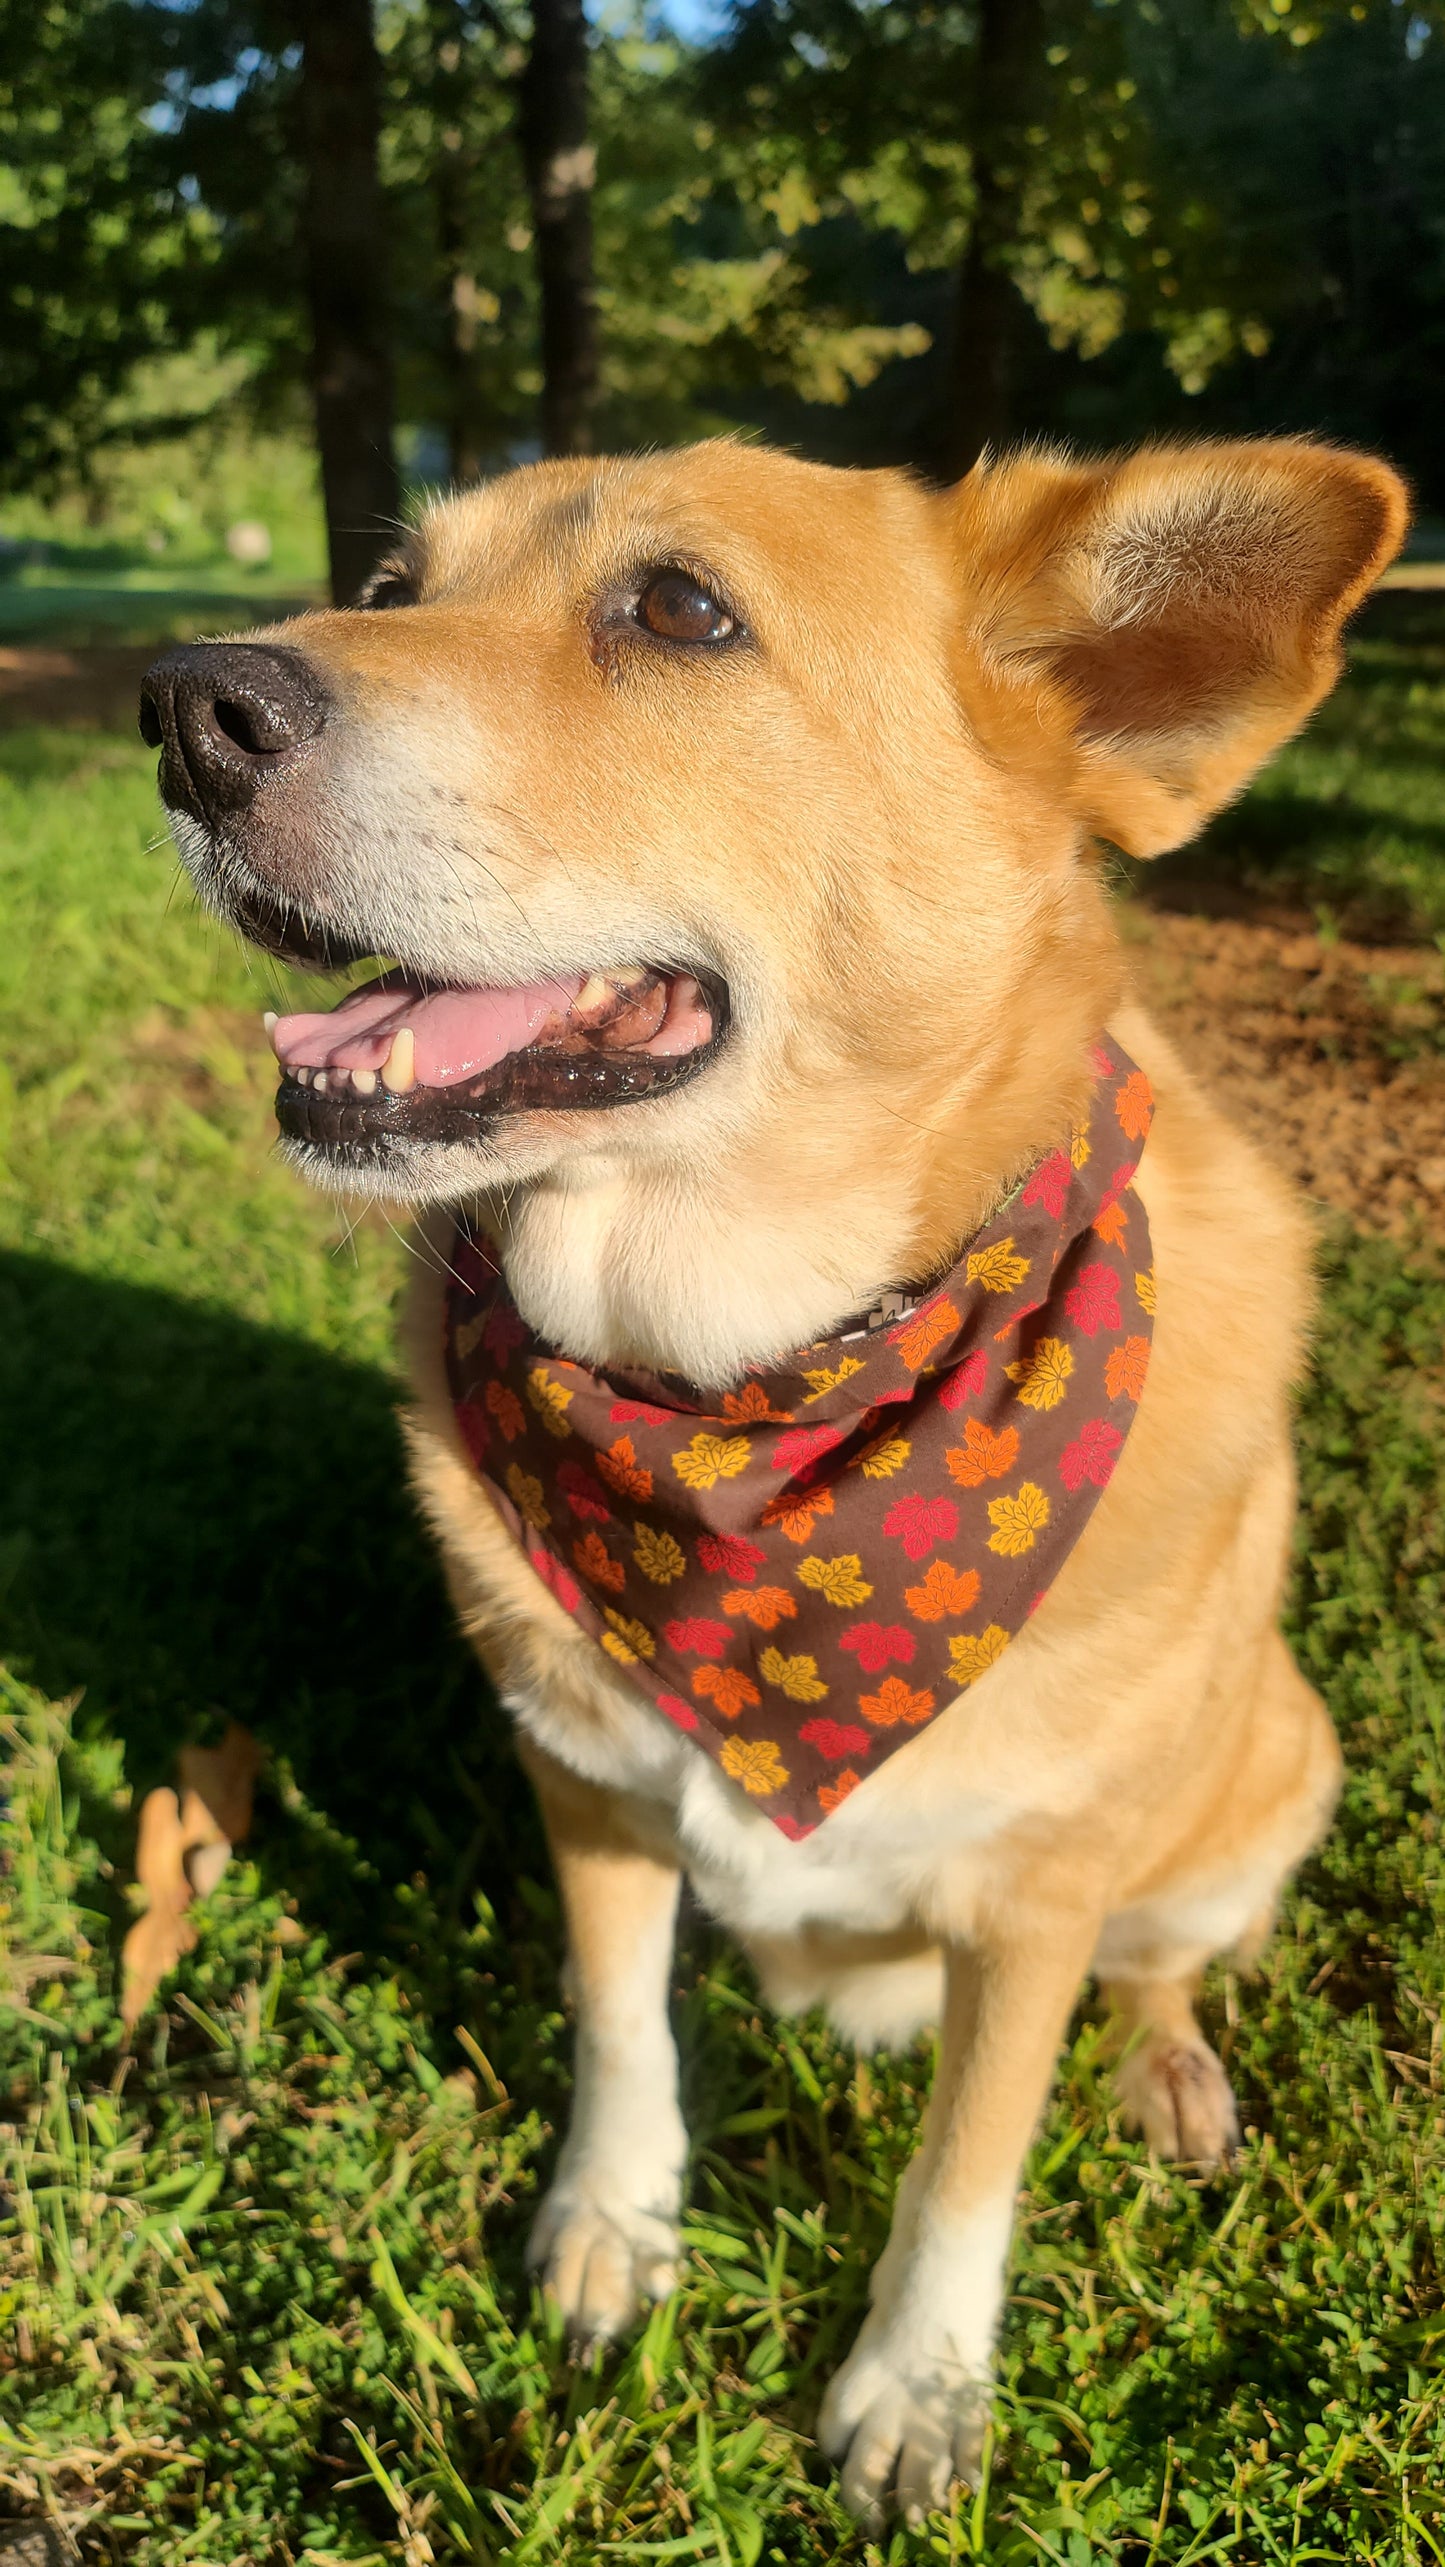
402,1059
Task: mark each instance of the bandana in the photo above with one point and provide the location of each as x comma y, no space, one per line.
804,1572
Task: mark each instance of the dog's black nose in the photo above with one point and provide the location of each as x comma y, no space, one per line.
225,714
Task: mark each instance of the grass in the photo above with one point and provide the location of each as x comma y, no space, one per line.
261,2285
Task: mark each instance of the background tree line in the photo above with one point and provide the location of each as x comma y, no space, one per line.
881,230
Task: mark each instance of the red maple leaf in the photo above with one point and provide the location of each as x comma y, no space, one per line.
582,1493
1093,1302
1050,1182
703,1638
834,1739
965,1378
633,1412
877,1645
729,1555
678,1710
919,1522
802,1445
1092,1455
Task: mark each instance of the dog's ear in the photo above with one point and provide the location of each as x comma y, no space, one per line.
1158,624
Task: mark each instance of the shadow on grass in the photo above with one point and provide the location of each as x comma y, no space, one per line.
200,1518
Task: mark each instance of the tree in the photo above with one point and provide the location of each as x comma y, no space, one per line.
561,165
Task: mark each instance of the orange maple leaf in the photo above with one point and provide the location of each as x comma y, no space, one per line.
928,1327
1126,1368
728,1687
983,1455
830,1794
945,1590
623,1472
1134,1105
593,1560
1112,1225
766,1606
750,1407
794,1511
895,1701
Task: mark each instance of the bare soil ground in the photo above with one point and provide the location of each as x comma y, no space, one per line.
1331,1054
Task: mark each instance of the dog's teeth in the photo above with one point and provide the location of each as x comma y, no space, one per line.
629,978
319,1082
364,1082
594,992
270,1020
399,1067
302,1077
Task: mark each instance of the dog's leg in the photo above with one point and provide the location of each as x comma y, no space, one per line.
911,2402
606,2235
1170,2083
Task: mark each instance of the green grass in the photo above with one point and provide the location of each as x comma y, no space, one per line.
261,2285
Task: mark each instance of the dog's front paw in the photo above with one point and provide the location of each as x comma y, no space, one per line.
601,2259
900,2420
1179,2096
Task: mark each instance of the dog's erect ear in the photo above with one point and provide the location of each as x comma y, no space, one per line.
1163,621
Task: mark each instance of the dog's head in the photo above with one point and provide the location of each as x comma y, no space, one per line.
710,794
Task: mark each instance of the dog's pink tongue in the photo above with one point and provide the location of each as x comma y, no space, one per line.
457,1031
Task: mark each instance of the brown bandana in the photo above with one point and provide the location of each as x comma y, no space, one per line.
803,1573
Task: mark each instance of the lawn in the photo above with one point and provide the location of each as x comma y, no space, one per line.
261,2284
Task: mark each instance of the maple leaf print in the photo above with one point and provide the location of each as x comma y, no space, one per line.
549,1399
1018,1520
986,1453
1126,1368
1081,1148
553,1575
1146,1291
466,1335
1092,1455
503,1332
617,1648
657,1555
697,1637
505,1406
710,1458
475,1432
528,1498
839,1581
750,1406
730,1555
727,1687
920,1522
999,1268
945,1590
964,1380
877,1645
835,1739
675,1709
623,1472
764,1606
1093,1302
832,1795
883,1458
636,1634
1111,1224
1042,1375
795,1512
826,1377
895,1701
917,1337
582,1493
1134,1105
797,1677
1050,1182
974,1652
638,1412
803,1445
755,1763
592,1560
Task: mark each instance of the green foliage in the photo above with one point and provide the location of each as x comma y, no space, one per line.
261,2285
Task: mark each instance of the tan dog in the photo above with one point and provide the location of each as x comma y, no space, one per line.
831,755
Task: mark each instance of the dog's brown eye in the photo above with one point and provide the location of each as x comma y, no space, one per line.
680,610
388,588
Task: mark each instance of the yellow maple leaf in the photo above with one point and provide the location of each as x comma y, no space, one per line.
974,1652
657,1555
1081,1149
824,1378
797,1677
1043,1375
1018,1520
879,1461
635,1635
999,1268
755,1763
839,1581
710,1458
1147,1288
471,1333
618,1649
549,1399
527,1496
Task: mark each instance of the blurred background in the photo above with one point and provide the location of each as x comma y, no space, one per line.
267,269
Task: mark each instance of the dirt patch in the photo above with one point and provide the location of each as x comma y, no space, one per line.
76,690
1331,1055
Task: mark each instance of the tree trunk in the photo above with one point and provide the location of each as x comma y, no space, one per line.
451,173
986,310
561,168
345,242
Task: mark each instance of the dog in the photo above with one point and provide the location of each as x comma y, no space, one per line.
734,831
